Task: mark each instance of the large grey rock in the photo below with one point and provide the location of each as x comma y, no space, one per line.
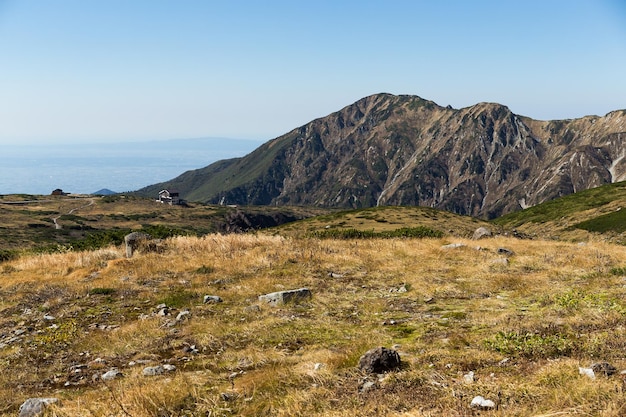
133,241
158,370
481,232
34,406
379,360
111,375
282,297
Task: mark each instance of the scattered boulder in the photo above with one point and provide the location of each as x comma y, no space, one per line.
469,377
480,403
35,406
481,232
212,299
506,252
588,372
183,315
367,386
603,368
254,308
453,246
133,241
158,370
111,375
379,360
282,297
500,261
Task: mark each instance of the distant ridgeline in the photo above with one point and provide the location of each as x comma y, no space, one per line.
384,149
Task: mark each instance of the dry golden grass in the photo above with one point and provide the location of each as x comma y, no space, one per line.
523,324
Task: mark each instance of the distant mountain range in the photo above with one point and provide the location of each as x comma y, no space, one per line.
385,149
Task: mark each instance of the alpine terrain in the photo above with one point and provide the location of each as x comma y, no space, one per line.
482,160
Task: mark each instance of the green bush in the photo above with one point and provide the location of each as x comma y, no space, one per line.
8,255
101,291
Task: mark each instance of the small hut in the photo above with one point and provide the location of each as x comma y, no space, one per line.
171,197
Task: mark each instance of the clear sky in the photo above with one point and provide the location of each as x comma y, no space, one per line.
111,70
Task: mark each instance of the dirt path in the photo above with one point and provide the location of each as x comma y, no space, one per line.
72,211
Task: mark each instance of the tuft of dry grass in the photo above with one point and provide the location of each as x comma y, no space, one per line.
523,323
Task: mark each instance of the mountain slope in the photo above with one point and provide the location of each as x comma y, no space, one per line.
598,211
481,160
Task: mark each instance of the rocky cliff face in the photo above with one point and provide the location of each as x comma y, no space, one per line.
482,160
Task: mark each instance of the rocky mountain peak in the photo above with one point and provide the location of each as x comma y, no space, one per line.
385,149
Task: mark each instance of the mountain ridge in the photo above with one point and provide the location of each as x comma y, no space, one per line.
384,149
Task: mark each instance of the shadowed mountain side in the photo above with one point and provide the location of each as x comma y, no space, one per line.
384,149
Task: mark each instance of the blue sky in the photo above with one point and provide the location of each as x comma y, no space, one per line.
114,70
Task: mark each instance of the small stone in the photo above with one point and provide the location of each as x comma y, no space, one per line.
453,246
588,372
254,308
183,315
153,370
111,375
212,299
228,396
500,261
49,317
480,403
506,252
158,370
367,385
603,368
469,377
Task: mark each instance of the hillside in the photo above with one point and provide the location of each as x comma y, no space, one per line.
596,212
110,336
482,160
61,223
383,219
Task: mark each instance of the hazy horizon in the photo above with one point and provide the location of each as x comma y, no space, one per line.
89,167
117,71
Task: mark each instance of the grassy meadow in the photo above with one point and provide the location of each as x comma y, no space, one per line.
522,323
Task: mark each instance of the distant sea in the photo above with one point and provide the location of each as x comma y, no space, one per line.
120,167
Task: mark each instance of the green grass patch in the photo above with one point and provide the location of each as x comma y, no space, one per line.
405,232
612,222
179,298
564,206
101,291
8,255
531,345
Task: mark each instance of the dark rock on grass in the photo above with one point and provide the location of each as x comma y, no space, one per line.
603,368
379,360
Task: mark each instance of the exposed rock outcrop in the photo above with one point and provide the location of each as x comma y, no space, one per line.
482,160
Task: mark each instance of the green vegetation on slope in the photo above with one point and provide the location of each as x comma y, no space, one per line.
564,206
612,222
